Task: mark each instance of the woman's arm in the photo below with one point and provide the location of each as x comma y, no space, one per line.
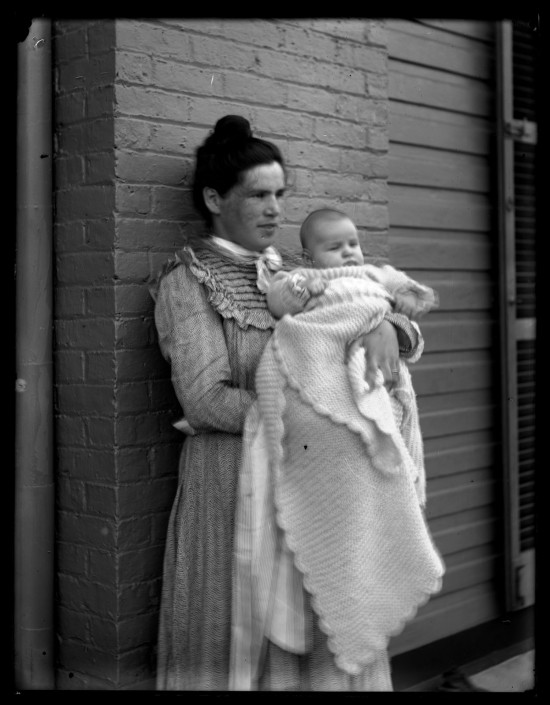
191,338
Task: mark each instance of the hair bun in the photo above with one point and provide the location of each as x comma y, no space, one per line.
231,128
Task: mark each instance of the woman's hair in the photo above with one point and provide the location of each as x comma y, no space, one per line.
225,155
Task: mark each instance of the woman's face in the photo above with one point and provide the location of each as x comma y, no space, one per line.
250,213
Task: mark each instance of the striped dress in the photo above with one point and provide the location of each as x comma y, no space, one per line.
213,324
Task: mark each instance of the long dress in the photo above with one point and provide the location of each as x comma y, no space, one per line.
213,325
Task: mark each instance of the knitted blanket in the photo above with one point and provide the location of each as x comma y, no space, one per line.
345,482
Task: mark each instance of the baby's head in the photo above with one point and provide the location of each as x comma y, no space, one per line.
329,239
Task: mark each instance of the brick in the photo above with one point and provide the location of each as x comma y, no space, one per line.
155,169
100,102
94,464
84,268
133,464
259,32
135,333
100,367
155,40
69,171
377,86
85,202
377,33
135,68
69,45
102,36
88,663
378,139
102,566
102,500
372,165
155,496
86,530
140,565
241,86
69,237
135,365
133,199
169,75
151,103
87,596
71,496
100,301
313,156
167,432
134,430
311,100
134,298
164,459
100,432
69,366
134,533
132,134
139,234
215,52
170,203
286,67
71,559
305,41
362,110
159,523
137,631
73,624
85,398
100,168
341,133
283,124
86,333
70,431
348,29
87,72
70,108
363,57
100,233
99,133
371,216
136,598
131,267
346,186
133,397
136,665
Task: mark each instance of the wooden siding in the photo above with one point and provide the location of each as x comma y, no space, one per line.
442,231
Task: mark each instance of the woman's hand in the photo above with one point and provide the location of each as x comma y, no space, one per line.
381,353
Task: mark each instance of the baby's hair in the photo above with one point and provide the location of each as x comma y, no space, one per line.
321,214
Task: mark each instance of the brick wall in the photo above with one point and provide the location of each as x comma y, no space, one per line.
133,101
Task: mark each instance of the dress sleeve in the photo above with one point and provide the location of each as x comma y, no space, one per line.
191,338
411,342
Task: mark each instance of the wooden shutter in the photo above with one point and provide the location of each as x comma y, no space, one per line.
517,141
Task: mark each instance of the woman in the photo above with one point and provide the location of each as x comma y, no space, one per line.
213,324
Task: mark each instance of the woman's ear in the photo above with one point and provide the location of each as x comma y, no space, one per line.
211,199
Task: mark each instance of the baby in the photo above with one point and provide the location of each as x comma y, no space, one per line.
329,244
329,240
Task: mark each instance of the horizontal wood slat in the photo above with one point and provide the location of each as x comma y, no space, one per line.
439,90
436,46
417,124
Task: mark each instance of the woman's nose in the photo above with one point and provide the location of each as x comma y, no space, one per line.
273,207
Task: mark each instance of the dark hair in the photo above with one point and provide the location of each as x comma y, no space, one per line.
225,155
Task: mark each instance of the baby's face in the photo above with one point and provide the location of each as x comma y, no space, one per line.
335,244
